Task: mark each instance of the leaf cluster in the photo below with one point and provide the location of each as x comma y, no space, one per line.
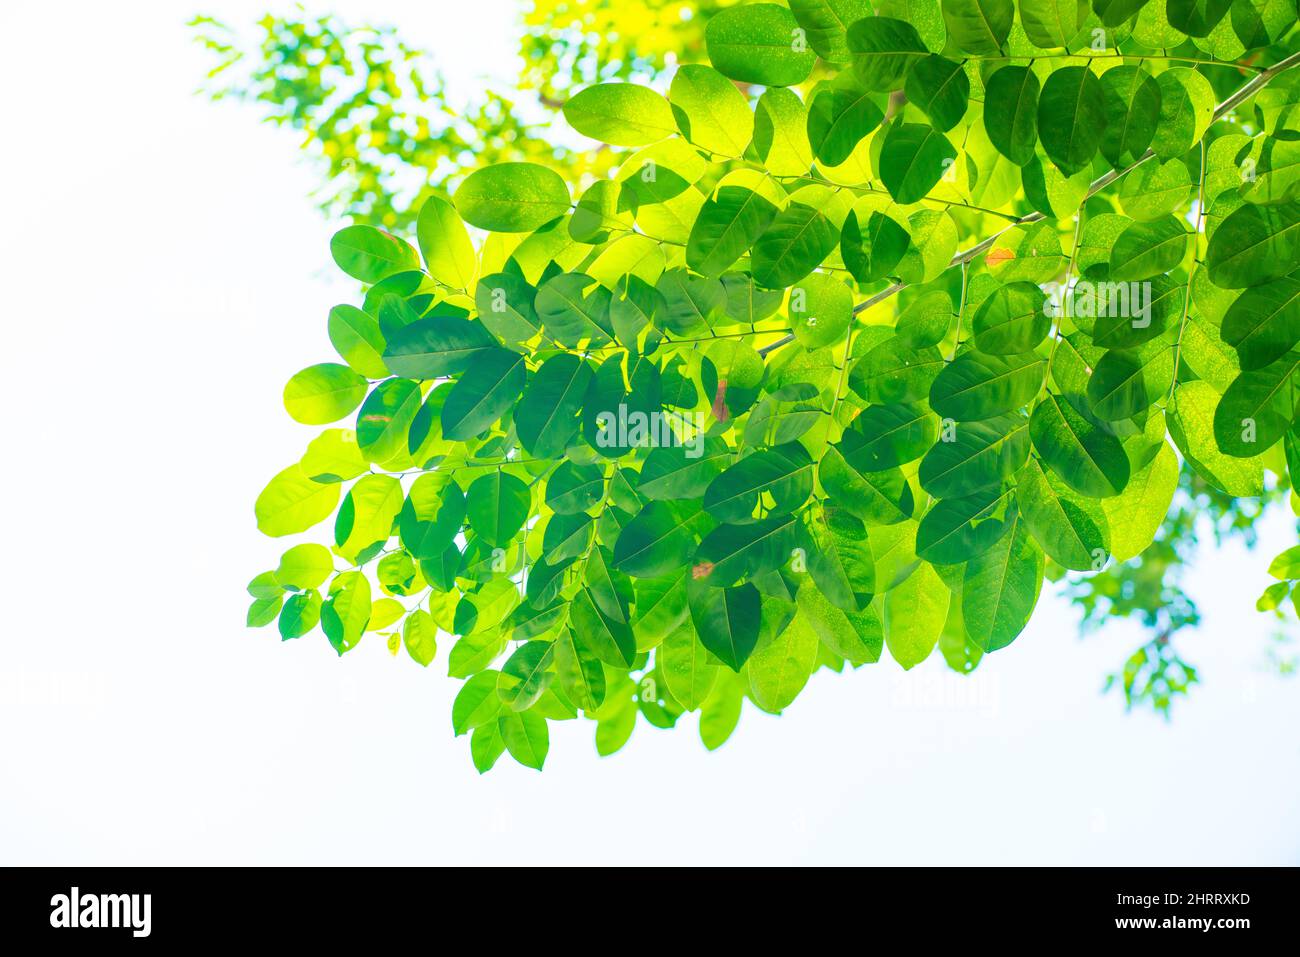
881,319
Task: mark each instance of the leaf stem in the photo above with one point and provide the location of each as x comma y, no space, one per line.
1191,274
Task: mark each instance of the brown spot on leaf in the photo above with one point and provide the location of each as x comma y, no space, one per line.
999,255
720,402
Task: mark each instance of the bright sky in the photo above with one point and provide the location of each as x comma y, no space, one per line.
164,274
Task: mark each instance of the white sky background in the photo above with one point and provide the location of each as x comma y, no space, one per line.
163,274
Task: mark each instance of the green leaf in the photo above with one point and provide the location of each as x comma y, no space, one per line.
1196,411
1071,118
980,27
528,621
525,675
728,224
497,506
842,112
1145,250
654,543
876,252
431,516
574,488
1135,516
673,472
1187,104
885,436
780,133
843,568
300,614
925,320
827,23
385,418
1115,12
366,519
1011,112
574,311
370,254
660,609
914,158
857,637
1253,245
621,114
292,503
1196,18
914,615
477,703
882,50
356,337
895,371
783,474
346,614
1011,320
759,43
324,393
1257,408
305,567
1154,190
1263,323
567,536
980,455
1286,565
955,530
1277,174
263,611
710,111
941,88
445,243
512,197
505,307
878,498
437,346
1123,320
486,745
420,636
975,386
547,416
732,552
609,639
1131,99
1053,23
1126,382
1074,531
1000,588
484,393
526,737
721,712
266,586
779,669
580,672
691,303
726,620
1088,457
687,668
821,308
796,243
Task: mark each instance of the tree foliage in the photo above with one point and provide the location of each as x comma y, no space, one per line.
879,320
